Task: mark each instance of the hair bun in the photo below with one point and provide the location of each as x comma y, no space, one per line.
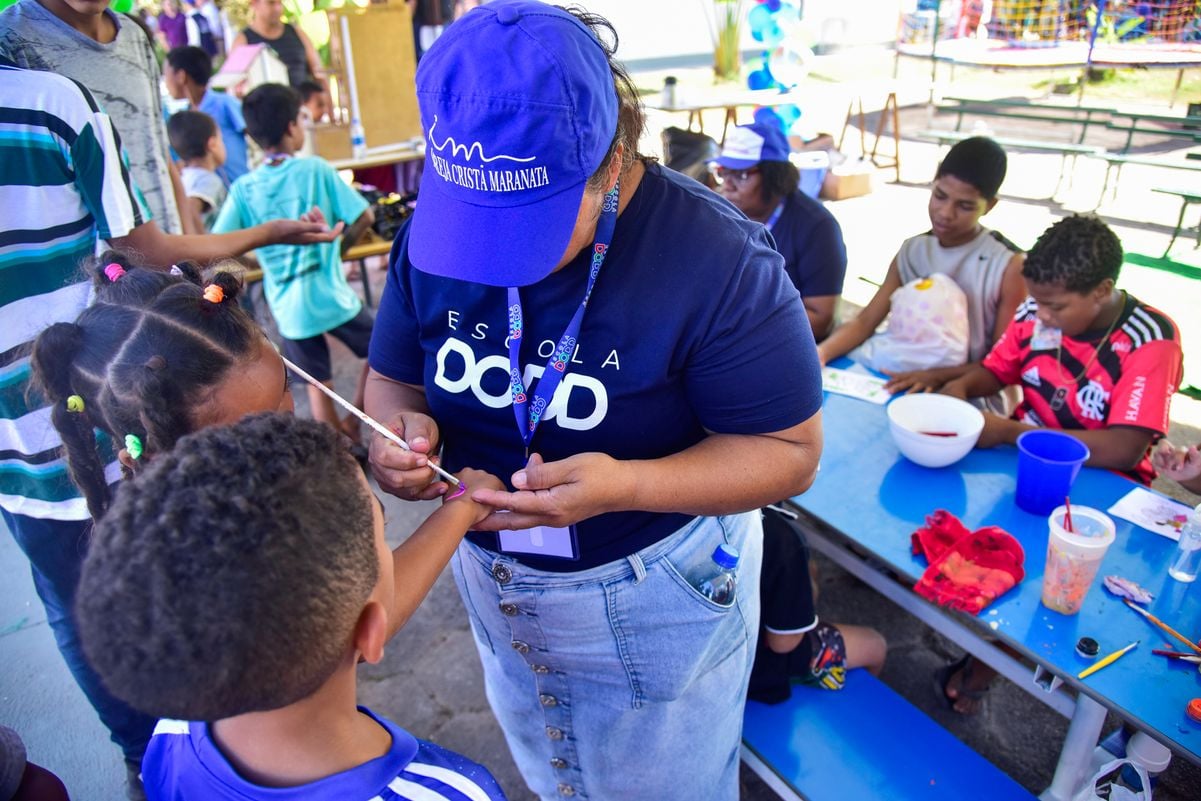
229,284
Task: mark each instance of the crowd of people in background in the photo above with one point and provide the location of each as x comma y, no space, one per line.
592,475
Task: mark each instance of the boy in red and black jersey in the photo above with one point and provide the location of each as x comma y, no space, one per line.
1091,359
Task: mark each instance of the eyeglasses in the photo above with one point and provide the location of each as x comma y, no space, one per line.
735,177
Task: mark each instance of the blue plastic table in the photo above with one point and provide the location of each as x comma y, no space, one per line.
868,499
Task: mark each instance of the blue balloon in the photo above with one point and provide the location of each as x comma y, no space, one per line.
774,5
763,25
761,79
788,116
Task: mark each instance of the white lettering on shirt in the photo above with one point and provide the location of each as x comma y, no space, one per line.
1091,398
459,371
1136,399
452,319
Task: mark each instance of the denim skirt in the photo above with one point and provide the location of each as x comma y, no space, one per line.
622,681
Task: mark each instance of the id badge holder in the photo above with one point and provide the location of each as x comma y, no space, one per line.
545,541
1045,338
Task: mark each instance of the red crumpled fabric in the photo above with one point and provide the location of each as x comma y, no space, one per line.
968,569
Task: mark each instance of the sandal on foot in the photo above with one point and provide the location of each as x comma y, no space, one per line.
942,679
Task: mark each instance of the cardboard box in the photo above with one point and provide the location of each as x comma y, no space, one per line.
847,180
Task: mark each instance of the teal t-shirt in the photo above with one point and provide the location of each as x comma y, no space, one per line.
304,284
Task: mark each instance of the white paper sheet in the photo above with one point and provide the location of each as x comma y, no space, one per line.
855,384
1155,513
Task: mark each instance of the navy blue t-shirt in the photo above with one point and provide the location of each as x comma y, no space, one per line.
810,239
693,326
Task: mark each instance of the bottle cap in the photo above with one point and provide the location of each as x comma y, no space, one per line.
1087,648
1193,710
1153,756
726,556
670,80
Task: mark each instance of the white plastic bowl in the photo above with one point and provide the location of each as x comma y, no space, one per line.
914,419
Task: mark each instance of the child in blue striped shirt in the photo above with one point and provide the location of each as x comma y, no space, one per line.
238,609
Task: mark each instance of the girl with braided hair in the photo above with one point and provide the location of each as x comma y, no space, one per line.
155,357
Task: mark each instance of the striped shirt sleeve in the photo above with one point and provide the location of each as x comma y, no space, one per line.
102,176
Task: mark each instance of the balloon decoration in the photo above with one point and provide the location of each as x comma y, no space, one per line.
784,63
122,6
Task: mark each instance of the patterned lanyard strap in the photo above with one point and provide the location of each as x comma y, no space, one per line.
775,216
529,411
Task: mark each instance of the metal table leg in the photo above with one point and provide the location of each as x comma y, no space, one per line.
1076,755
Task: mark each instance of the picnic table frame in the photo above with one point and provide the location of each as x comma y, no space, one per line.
868,499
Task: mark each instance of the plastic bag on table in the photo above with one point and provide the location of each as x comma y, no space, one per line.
927,327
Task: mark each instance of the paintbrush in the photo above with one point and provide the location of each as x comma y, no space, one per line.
1109,660
1179,655
379,427
1163,626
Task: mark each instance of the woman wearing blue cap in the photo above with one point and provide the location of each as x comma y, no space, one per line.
757,177
625,347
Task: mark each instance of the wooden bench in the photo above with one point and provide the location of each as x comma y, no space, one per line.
864,742
1187,127
1065,150
1084,116
1187,198
1115,161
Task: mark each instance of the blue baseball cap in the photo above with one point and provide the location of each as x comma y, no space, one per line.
519,109
747,145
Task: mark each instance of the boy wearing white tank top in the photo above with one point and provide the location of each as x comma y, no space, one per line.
985,265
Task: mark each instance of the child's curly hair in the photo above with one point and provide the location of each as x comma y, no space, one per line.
1076,253
229,576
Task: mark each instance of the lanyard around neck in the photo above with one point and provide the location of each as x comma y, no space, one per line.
529,408
775,216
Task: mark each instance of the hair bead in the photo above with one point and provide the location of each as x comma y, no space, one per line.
133,445
75,404
213,293
113,271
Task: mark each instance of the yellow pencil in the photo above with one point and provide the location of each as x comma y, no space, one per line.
1109,660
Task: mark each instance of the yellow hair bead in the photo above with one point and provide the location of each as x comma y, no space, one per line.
74,404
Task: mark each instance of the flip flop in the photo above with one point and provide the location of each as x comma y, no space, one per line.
943,677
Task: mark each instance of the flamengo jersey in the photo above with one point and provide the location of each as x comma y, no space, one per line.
1129,383
183,763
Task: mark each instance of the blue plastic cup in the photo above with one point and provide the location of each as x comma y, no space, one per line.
1048,463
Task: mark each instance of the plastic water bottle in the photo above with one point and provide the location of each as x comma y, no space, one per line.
668,99
1187,561
358,139
715,579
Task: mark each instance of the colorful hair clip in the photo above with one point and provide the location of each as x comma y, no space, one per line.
176,271
74,404
113,272
214,293
133,446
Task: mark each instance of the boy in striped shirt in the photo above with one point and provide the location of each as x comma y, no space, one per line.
1090,358
246,607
